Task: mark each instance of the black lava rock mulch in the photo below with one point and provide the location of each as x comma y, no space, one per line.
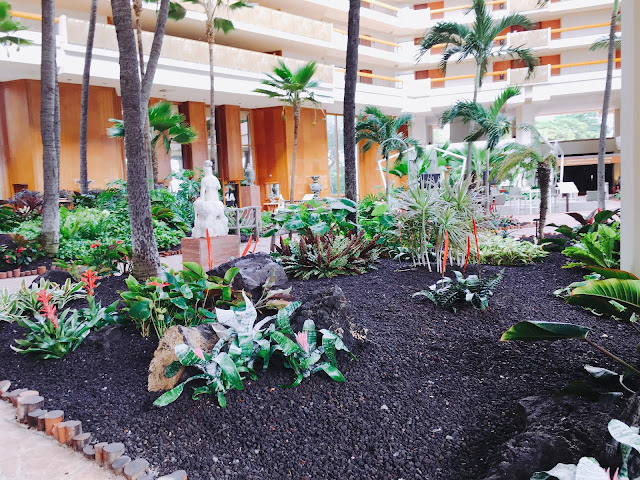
433,394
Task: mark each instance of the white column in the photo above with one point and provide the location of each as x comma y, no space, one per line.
630,133
525,114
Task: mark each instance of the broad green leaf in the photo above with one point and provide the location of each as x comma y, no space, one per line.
172,369
186,356
599,372
563,471
589,469
230,275
179,302
550,331
186,291
599,294
288,346
170,396
625,434
330,370
195,268
230,370
140,310
613,273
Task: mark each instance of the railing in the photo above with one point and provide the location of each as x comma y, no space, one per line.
464,7
383,5
245,218
29,16
582,64
369,38
372,76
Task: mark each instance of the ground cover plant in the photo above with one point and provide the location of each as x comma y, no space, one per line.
498,250
314,216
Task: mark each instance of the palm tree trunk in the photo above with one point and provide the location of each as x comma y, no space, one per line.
49,130
84,102
349,106
146,261
296,124
469,164
605,108
386,157
213,152
487,184
543,175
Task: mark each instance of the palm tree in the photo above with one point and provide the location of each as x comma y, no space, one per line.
146,261
294,89
50,131
478,41
374,127
84,102
527,159
8,27
489,123
612,43
167,126
349,104
215,9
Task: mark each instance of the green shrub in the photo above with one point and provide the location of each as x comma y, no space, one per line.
497,250
314,217
328,255
474,290
600,248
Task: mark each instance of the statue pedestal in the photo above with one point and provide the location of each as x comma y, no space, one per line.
250,196
222,249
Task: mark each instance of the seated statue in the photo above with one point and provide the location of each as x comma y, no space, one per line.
208,209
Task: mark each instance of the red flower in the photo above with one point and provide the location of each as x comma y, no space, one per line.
118,241
20,250
89,279
43,297
47,309
95,245
156,284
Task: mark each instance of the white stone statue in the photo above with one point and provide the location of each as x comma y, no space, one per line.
209,210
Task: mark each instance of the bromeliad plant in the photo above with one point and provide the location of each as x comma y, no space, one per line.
28,299
50,336
498,250
600,248
448,292
328,255
303,355
182,298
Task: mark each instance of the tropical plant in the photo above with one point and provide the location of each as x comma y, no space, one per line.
28,299
328,255
489,123
168,127
589,469
8,27
51,337
314,216
9,310
102,316
478,41
273,298
177,298
373,127
600,248
472,289
293,89
527,159
588,224
618,297
497,250
349,103
27,204
187,193
302,354
9,219
22,253
104,259
242,342
376,218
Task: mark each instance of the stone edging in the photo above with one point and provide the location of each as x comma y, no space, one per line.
29,411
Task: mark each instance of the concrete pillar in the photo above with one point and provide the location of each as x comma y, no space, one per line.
526,114
630,133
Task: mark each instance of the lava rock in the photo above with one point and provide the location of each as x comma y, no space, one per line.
254,271
556,430
202,337
330,309
54,276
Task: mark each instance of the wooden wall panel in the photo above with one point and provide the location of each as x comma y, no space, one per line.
196,153
230,141
270,150
369,180
312,158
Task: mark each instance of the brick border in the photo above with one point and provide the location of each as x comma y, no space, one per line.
30,411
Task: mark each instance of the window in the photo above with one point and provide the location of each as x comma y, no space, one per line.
573,126
335,141
245,132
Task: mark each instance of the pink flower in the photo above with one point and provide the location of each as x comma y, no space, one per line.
615,474
95,245
156,284
303,341
118,241
198,352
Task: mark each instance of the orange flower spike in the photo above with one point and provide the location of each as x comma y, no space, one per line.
209,250
446,252
248,245
89,279
43,297
466,261
475,234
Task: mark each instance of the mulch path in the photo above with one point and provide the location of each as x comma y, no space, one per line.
432,396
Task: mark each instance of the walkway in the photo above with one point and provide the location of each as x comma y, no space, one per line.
27,454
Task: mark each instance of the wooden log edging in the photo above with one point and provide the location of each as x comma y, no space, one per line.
30,411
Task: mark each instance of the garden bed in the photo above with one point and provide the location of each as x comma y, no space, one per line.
432,395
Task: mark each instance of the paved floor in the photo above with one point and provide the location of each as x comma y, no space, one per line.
26,454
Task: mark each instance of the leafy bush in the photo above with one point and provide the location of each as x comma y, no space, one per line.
9,219
27,204
22,254
600,248
187,193
9,310
314,217
328,255
107,259
474,290
587,225
182,298
376,218
497,250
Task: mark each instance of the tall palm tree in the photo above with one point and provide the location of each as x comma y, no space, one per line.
146,261
612,44
377,128
50,131
489,123
8,27
293,89
349,104
84,102
215,11
527,159
478,41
